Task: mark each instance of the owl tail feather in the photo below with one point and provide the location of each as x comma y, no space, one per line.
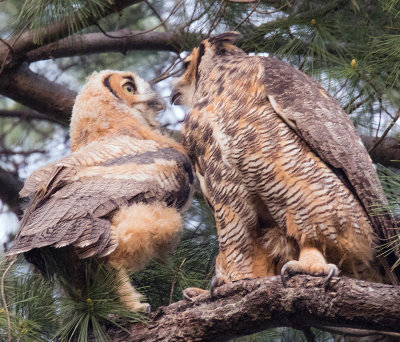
144,232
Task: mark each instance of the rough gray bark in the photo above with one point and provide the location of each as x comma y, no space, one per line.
249,306
116,41
26,42
29,115
37,92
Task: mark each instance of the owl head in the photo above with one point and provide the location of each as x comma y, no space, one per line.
113,102
200,63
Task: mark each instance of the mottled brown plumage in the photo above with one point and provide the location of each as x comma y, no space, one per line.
282,167
120,191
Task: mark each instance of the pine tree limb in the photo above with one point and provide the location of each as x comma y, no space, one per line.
28,115
37,92
26,40
249,306
117,41
386,153
10,185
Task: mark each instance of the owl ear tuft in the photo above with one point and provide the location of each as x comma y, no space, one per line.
226,37
224,42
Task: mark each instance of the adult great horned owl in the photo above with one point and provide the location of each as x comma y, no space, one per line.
280,163
118,194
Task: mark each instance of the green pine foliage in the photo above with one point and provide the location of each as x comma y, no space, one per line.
43,309
390,181
62,307
351,47
34,15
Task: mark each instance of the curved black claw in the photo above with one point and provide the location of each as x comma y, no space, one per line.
148,310
283,274
215,282
333,271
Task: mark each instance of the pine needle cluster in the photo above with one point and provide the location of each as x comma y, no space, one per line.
54,309
79,304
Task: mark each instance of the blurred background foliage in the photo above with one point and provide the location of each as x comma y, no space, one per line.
352,47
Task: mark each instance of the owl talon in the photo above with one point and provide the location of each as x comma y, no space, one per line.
216,282
148,309
286,270
192,292
186,296
318,269
333,271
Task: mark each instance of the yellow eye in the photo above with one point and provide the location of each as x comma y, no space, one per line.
130,88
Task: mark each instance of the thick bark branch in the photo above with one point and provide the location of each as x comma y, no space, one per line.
38,93
10,186
386,153
98,42
246,307
56,31
29,115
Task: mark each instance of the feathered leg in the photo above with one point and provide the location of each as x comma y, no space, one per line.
144,232
128,295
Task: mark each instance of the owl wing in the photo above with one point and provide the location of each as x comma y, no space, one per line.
319,120
75,205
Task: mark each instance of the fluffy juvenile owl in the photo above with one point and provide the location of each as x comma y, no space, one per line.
118,196
282,167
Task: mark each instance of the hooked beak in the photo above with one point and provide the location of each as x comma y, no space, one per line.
175,95
157,103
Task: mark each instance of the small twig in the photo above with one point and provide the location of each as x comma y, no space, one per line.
248,16
11,48
164,76
28,115
202,14
380,118
156,14
8,45
174,9
21,153
3,296
174,280
218,17
341,88
351,106
194,11
373,147
64,69
271,12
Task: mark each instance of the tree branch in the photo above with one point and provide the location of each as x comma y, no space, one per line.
10,185
386,153
385,133
37,92
55,31
29,115
249,306
98,42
